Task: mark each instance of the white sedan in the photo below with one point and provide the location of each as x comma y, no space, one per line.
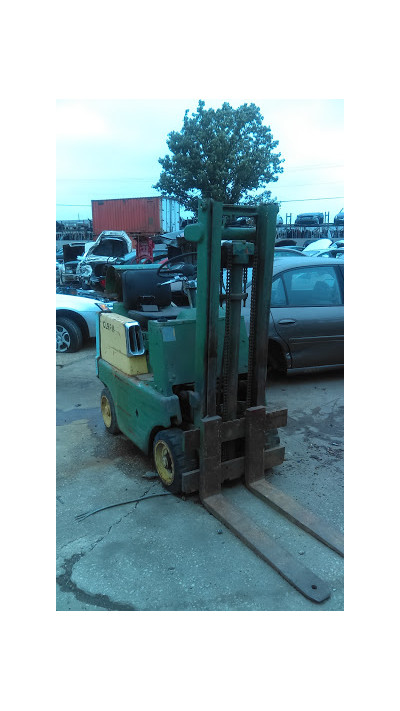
76,318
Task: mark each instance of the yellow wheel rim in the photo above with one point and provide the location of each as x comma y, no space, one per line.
164,462
106,411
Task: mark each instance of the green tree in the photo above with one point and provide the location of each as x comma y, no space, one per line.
223,154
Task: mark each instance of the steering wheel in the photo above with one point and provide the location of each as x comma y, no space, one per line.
186,270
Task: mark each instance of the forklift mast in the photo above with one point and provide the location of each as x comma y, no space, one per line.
234,250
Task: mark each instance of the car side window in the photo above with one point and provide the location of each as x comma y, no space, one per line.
312,286
278,296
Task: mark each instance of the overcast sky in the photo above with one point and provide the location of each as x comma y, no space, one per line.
110,149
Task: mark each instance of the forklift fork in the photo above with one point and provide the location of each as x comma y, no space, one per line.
211,496
257,484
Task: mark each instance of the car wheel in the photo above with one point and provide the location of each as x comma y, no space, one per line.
276,360
169,459
108,412
69,338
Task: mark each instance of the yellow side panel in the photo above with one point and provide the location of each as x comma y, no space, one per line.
113,347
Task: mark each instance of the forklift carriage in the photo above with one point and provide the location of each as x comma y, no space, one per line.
188,383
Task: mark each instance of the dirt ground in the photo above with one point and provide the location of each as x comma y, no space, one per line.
167,553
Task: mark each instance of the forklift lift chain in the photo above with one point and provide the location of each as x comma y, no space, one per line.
226,349
251,328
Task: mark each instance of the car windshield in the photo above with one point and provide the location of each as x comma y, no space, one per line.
110,248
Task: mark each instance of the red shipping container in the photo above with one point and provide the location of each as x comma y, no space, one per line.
146,216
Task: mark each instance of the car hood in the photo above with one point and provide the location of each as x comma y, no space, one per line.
77,303
318,244
107,235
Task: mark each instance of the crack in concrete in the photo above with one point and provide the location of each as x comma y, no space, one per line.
99,600
96,599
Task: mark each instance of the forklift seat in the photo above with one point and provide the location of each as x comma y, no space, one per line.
143,287
143,317
146,297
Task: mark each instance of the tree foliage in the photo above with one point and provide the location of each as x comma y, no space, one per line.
223,154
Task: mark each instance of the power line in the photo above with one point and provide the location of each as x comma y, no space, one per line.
338,197
308,185
312,167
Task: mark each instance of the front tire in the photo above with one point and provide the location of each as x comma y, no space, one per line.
169,459
69,337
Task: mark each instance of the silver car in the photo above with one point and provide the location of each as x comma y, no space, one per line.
306,329
76,318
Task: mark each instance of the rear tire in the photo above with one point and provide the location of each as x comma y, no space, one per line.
108,412
276,360
169,459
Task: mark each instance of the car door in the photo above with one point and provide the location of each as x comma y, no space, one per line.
308,314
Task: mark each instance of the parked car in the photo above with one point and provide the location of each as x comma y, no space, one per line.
309,219
286,243
287,252
72,255
312,248
306,329
339,218
331,253
76,318
109,247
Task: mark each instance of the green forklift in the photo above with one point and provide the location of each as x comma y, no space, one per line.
186,383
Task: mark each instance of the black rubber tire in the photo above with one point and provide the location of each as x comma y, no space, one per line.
168,447
107,408
276,363
71,333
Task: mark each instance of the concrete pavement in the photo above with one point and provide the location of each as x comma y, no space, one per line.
167,553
